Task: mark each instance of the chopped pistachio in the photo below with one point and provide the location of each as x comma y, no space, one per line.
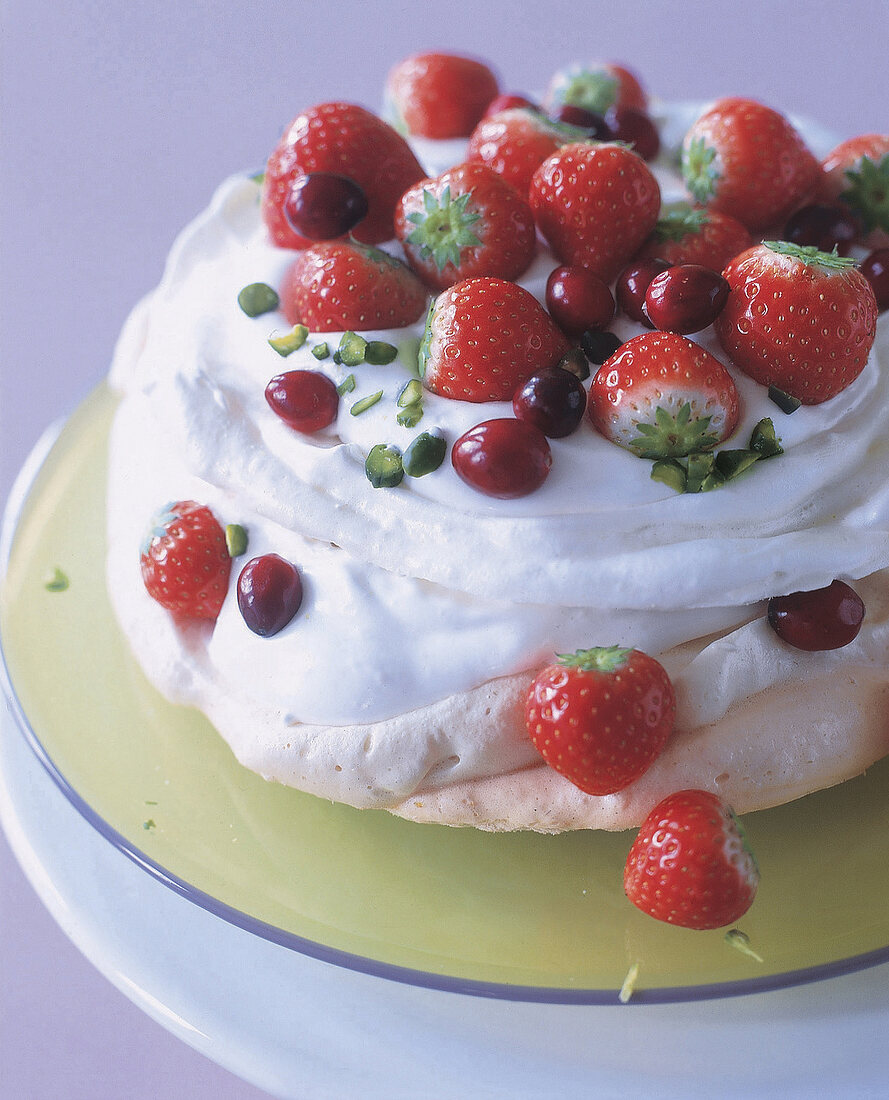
352,348
56,581
365,403
671,472
337,358
785,402
384,466
425,454
258,298
290,341
733,462
629,985
347,385
741,941
411,393
149,824
764,440
378,353
321,351
235,540
700,466
410,416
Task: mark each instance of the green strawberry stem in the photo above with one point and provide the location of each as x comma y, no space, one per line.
811,256
699,169
443,229
598,659
868,193
673,435
679,220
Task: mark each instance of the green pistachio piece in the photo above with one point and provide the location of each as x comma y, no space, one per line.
764,441
258,298
425,454
410,416
671,472
700,467
733,462
378,353
291,341
347,385
321,351
57,581
784,401
352,348
384,466
365,403
411,393
235,540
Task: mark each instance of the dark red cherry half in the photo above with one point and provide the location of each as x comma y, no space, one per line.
305,399
322,206
503,458
822,618
270,592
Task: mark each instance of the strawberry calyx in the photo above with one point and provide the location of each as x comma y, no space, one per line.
598,659
593,90
699,169
868,193
673,435
679,220
811,256
443,229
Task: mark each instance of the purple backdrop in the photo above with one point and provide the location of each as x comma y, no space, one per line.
118,121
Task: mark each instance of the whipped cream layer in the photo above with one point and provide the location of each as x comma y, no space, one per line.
421,595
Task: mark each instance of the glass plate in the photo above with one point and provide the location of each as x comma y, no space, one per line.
515,916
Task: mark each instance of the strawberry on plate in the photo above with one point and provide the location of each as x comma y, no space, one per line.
595,205
346,140
798,319
856,174
687,234
663,396
690,864
746,160
439,95
598,87
485,337
515,142
601,716
468,221
339,286
185,561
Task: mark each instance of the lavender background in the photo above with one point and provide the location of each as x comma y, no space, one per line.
118,120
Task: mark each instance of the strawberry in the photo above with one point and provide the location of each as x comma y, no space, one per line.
690,864
746,160
600,717
469,221
517,141
337,286
346,140
687,234
598,87
185,561
485,337
439,95
798,319
662,396
595,204
856,173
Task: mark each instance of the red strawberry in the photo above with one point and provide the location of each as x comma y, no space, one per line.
484,337
690,864
598,87
185,561
746,160
662,396
595,204
517,141
856,173
345,140
798,319
600,717
439,95
687,234
338,286
469,221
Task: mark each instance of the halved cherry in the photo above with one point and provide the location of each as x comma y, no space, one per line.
503,458
322,206
822,618
270,593
307,400
685,298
